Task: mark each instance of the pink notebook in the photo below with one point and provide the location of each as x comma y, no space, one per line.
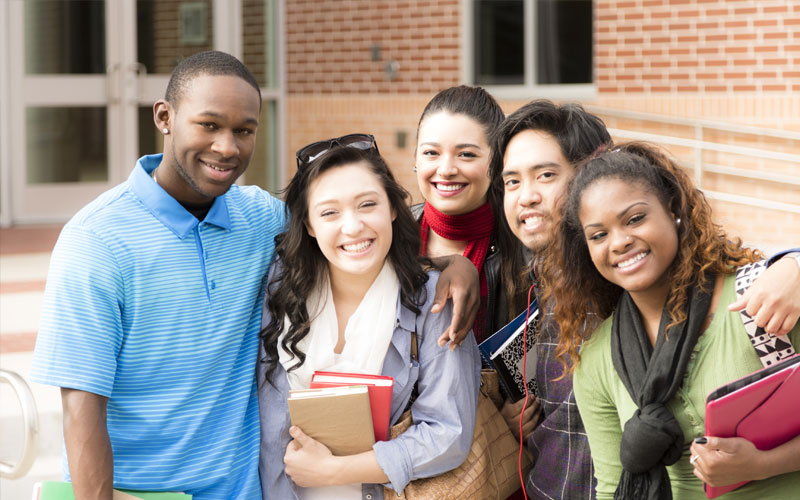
761,407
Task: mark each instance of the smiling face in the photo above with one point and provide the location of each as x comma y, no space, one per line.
350,216
212,133
632,237
535,177
452,160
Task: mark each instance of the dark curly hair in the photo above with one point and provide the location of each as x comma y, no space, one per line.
303,266
581,297
477,104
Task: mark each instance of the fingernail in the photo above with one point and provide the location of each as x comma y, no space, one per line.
701,440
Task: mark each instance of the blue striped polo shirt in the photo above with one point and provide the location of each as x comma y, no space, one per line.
160,313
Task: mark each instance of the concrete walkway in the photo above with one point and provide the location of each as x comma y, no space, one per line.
24,258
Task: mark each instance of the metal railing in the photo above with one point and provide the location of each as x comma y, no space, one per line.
699,128
30,419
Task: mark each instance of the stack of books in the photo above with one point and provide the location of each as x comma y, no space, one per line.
347,412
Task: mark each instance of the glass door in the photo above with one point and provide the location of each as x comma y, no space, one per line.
82,79
64,105
84,84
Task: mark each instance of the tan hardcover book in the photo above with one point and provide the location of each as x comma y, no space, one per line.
338,417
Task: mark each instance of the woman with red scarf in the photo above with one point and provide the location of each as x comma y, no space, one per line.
463,210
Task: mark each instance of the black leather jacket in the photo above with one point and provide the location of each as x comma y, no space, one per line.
497,303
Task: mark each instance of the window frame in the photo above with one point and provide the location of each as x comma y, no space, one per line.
530,89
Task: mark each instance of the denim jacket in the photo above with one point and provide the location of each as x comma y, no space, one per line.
443,413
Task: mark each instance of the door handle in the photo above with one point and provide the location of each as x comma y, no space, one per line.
112,83
139,70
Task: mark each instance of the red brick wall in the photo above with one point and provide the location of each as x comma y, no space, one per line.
329,45
727,60
697,46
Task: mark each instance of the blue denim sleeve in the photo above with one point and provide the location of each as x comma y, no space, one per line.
275,423
273,411
444,412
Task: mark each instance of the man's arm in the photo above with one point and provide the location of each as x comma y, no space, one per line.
773,300
91,463
459,280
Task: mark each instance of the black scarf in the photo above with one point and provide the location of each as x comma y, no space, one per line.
652,438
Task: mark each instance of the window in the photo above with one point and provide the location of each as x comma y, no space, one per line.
530,46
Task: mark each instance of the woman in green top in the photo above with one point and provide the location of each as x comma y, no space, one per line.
647,271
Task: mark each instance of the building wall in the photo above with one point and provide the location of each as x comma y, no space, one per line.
330,46
735,61
717,59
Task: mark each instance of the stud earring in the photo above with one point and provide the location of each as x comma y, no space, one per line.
414,169
165,130
678,221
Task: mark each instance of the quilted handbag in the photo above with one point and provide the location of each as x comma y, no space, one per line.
490,470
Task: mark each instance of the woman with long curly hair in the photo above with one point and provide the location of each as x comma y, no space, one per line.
347,295
641,295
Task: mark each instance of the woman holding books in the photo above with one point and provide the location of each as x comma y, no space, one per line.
463,211
646,278
346,295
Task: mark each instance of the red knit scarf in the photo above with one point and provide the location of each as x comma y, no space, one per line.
476,229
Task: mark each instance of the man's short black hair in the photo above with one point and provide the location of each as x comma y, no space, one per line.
212,62
578,132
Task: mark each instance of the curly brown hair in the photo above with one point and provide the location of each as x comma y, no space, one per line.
581,298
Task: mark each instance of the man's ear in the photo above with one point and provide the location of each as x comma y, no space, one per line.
162,114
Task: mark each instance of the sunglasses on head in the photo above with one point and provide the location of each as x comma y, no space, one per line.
307,154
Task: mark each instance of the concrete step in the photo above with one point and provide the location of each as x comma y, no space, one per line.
24,267
44,469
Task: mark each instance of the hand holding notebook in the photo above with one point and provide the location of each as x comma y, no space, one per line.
762,408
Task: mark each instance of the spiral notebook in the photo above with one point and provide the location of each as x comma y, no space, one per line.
504,352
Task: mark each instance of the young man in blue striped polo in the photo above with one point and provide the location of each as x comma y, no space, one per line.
153,303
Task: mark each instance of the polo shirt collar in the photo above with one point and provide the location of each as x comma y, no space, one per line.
167,209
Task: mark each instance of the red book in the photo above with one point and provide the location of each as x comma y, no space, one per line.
380,395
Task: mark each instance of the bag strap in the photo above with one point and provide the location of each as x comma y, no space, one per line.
769,348
414,357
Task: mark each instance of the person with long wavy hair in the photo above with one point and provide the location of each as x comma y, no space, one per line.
463,209
346,295
463,214
641,279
